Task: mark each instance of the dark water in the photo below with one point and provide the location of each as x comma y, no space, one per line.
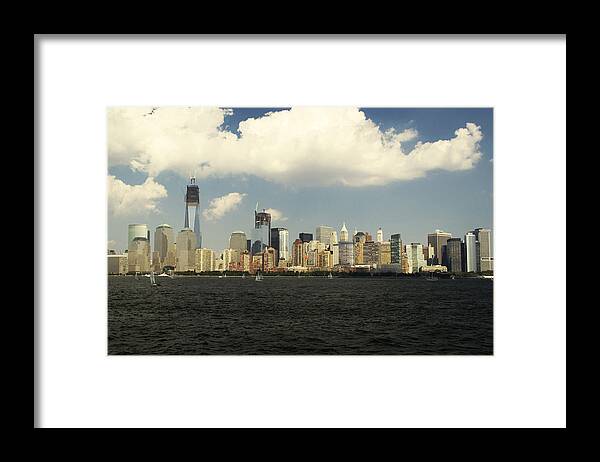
289,315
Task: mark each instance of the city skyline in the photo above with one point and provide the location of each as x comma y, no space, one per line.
453,200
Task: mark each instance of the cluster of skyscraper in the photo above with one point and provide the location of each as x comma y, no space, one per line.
268,249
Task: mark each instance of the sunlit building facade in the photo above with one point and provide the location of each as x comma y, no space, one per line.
186,250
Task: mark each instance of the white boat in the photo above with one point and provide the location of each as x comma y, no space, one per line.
165,275
330,276
258,277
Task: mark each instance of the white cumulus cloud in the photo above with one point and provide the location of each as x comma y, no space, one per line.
303,146
219,206
124,199
276,215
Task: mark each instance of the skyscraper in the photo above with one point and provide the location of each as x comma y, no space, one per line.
359,241
370,253
237,241
192,210
204,260
280,242
344,233
138,255
334,246
262,231
323,234
486,252
136,230
396,249
379,237
297,253
186,250
346,253
305,237
438,241
454,254
470,256
384,253
414,255
163,241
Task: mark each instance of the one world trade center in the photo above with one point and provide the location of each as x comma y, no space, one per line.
192,210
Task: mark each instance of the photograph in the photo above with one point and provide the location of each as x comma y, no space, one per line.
303,230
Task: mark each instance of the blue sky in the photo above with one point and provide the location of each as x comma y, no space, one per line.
455,200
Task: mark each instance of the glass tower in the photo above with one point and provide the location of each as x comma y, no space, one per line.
192,210
262,231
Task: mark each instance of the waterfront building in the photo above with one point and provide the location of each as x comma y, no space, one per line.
269,259
414,255
438,241
171,260
405,264
396,249
390,268
470,253
164,240
117,264
344,233
311,257
231,259
324,259
249,245
245,261
346,253
186,249
434,269
454,254
359,240
334,247
368,237
192,211
262,231
136,230
257,262
280,241
238,241
305,250
297,253
138,255
379,235
485,260
323,234
204,260
156,262
385,253
428,253
370,253
305,237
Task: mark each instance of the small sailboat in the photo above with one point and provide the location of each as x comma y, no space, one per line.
152,279
330,276
243,275
258,276
136,275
